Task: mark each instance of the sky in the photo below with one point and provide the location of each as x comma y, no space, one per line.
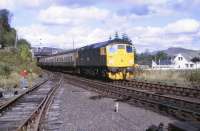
150,24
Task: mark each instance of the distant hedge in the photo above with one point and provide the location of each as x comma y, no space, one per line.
194,76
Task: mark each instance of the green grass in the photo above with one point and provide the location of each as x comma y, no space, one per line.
10,66
180,77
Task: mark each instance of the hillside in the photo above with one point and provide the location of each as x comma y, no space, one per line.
175,50
11,63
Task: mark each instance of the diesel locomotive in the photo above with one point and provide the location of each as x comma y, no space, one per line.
112,59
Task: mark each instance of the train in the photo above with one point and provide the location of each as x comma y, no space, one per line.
111,59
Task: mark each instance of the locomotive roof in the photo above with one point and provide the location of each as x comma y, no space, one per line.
105,43
94,46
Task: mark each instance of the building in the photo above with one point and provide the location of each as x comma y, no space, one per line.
179,61
44,51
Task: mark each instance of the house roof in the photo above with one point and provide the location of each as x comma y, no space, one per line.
189,56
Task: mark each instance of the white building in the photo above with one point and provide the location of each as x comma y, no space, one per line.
180,61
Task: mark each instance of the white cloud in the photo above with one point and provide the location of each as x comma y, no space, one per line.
183,26
6,4
142,2
66,15
180,33
13,4
88,25
153,2
37,34
32,3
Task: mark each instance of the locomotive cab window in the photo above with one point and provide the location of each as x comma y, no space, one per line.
129,49
113,48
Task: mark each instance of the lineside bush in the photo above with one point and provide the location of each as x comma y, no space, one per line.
170,76
5,70
194,76
11,64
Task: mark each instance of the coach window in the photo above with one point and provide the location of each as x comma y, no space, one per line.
103,51
129,49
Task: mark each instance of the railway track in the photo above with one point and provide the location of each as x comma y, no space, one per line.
24,112
175,106
160,88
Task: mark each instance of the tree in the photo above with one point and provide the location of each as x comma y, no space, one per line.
8,38
110,38
161,55
5,17
24,49
125,37
135,54
146,52
116,35
7,34
195,59
22,42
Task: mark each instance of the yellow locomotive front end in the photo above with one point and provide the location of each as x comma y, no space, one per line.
120,61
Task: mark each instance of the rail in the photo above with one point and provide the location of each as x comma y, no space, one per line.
36,116
180,108
28,108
